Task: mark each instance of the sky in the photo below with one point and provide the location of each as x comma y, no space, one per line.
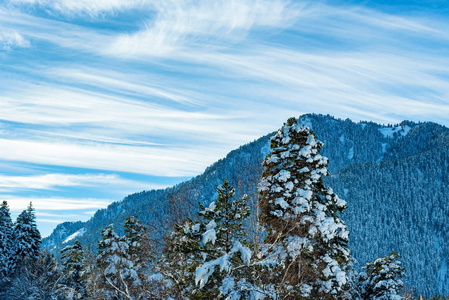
103,98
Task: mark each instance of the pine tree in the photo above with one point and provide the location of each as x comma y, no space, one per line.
116,267
141,254
382,279
306,239
26,235
73,261
94,276
215,255
37,278
7,247
181,258
140,248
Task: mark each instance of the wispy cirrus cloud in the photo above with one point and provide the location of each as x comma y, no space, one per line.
159,89
180,25
51,211
17,204
12,39
133,85
60,33
92,8
170,26
141,160
54,181
372,81
106,115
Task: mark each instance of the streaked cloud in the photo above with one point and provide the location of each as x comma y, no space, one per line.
51,211
156,161
12,39
180,25
124,93
53,181
55,204
90,7
131,85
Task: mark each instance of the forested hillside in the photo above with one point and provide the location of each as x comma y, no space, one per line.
394,179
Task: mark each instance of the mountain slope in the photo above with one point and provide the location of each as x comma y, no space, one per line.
394,179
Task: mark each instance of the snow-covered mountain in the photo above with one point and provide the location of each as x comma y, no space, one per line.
395,179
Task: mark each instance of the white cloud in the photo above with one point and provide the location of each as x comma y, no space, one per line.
97,114
56,32
171,26
118,82
52,181
231,82
179,25
90,7
54,210
185,82
18,203
143,160
12,39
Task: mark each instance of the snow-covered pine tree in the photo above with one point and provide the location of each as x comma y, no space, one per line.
181,258
227,256
27,237
73,261
306,239
217,258
141,254
7,247
37,278
140,248
94,276
382,279
116,267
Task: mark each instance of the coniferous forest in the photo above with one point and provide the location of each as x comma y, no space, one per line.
286,239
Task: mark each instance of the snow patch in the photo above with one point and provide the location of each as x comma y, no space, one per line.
305,122
203,272
282,203
265,150
283,176
351,153
79,233
245,253
384,147
212,206
406,129
388,132
210,236
442,273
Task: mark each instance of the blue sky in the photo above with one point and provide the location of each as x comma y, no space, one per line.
102,98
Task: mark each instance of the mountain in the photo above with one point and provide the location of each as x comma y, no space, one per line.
395,179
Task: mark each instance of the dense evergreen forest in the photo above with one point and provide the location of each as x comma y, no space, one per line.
373,167
297,248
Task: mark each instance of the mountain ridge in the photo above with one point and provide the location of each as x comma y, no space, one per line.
350,147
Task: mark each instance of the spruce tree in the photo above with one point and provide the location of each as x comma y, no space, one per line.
116,266
181,258
7,246
73,261
216,256
140,248
37,278
382,279
306,242
141,254
26,235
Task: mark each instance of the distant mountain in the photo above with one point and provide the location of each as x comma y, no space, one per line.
395,179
